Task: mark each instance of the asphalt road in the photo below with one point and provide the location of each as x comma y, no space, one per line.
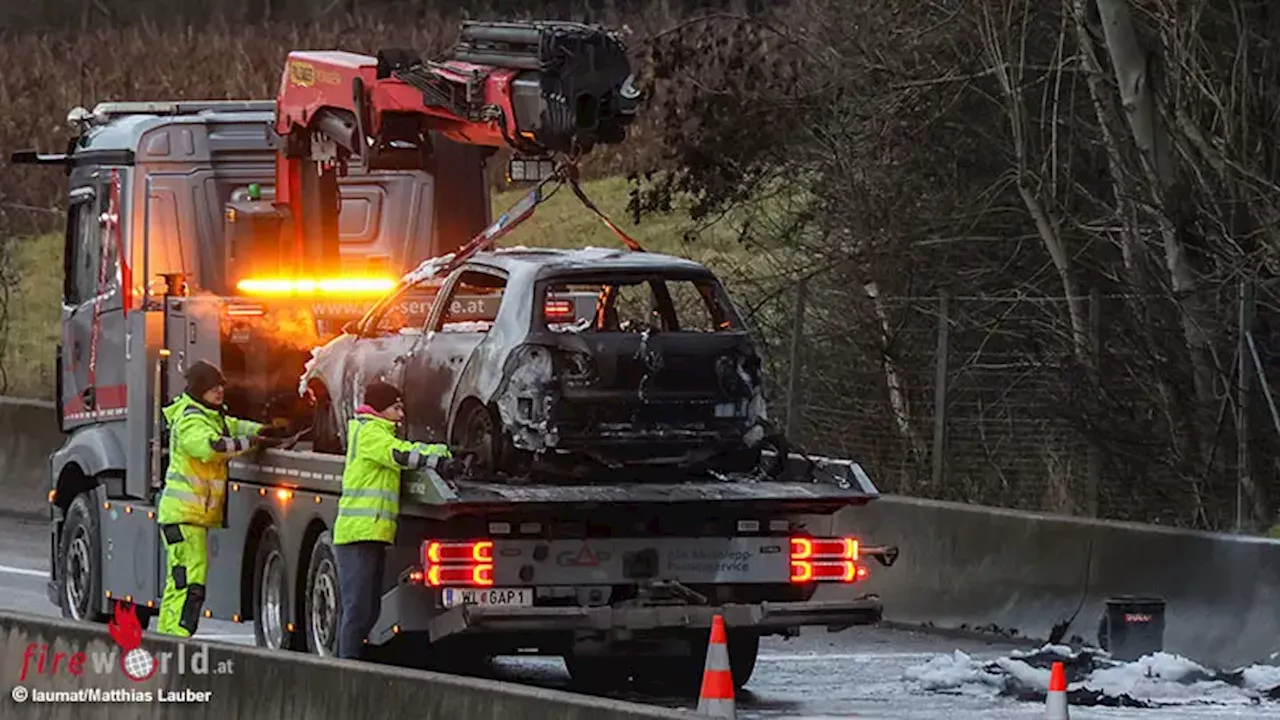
857,673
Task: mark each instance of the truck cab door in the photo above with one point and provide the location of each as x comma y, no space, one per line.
92,356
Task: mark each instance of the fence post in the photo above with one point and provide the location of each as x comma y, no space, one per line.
940,392
794,360
1093,479
1243,384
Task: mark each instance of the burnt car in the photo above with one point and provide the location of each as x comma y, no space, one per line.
559,360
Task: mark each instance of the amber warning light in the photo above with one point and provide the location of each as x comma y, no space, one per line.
825,560
346,286
467,564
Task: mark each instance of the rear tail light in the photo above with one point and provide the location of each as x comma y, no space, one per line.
825,560
468,564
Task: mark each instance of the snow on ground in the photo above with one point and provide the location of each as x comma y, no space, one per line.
1094,678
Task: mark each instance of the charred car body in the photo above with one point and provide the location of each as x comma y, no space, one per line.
560,360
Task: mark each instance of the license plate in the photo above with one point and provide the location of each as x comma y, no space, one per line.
509,597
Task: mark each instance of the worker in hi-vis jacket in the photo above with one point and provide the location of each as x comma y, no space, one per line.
201,441
370,507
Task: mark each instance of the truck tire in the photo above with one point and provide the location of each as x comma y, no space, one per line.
80,561
744,648
271,595
683,674
599,673
323,600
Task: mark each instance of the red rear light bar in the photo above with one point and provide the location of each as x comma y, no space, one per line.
466,563
825,560
560,311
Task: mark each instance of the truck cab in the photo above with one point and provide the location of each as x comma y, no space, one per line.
169,210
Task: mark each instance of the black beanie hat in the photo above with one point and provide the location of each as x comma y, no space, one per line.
203,377
380,395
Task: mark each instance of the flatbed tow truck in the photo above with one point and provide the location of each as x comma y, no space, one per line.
170,225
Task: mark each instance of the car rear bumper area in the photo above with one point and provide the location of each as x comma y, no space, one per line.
767,617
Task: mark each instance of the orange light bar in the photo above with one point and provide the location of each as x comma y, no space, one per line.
323,286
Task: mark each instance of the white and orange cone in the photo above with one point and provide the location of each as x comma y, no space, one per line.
716,697
1056,702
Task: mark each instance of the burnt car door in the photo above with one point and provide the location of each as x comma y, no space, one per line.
383,343
449,364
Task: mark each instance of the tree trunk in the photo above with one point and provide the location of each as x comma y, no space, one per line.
1104,110
1138,97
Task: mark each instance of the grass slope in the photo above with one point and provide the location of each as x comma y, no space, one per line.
561,221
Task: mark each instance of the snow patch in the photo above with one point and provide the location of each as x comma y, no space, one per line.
427,269
476,326
308,370
1094,678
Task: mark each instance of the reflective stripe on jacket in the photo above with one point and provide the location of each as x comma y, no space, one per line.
201,441
370,503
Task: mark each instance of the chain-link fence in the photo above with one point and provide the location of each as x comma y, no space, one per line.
991,401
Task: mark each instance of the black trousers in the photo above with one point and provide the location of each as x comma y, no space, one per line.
360,570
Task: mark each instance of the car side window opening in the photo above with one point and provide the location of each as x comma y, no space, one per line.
636,305
473,304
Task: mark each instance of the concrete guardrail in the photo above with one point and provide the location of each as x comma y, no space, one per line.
966,566
198,681
29,433
961,566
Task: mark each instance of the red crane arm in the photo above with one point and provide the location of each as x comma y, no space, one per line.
541,88
316,84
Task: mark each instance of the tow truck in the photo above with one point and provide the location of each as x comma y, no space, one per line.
245,232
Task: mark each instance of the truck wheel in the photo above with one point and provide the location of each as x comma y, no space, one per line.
744,648
596,673
271,595
323,601
683,673
80,556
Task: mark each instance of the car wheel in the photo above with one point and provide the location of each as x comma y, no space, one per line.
475,433
271,595
80,576
323,601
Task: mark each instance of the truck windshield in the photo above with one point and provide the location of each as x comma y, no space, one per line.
637,304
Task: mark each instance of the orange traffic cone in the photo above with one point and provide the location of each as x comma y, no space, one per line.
1056,703
716,697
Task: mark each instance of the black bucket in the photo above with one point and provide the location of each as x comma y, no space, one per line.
1132,627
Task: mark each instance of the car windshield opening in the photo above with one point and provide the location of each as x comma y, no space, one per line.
408,312
632,304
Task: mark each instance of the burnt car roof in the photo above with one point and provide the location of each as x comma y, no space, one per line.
547,262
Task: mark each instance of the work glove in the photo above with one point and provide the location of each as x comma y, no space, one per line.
267,437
